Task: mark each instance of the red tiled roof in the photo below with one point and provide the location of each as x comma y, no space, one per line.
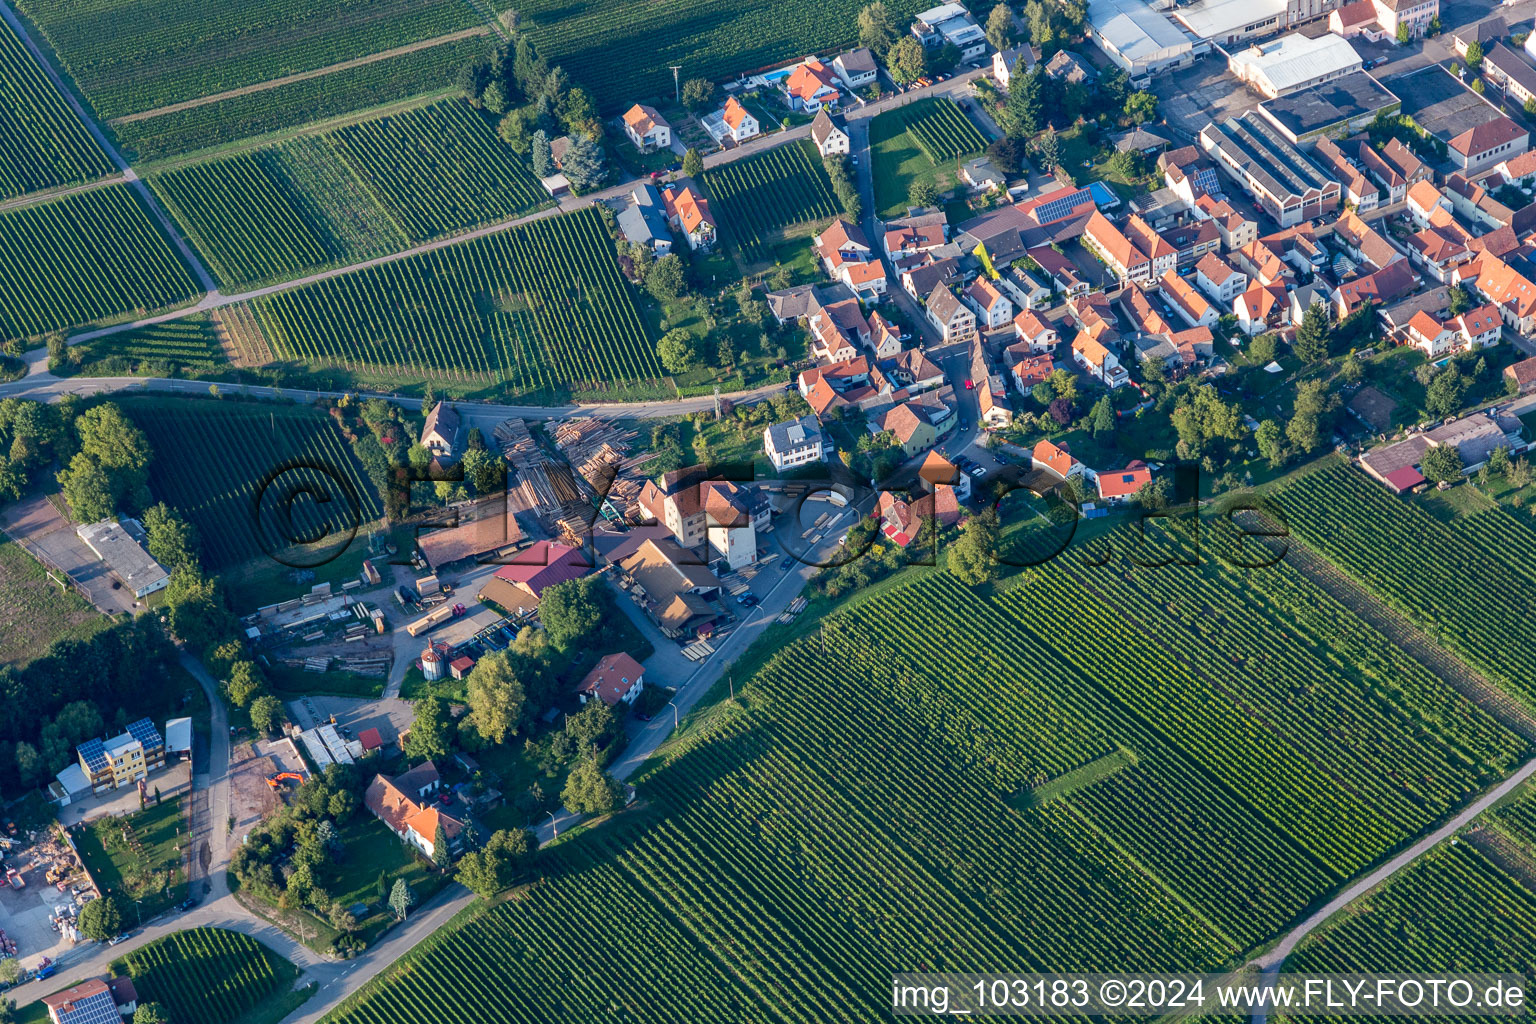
612,678
1122,483
370,739
1479,140
1055,458
542,565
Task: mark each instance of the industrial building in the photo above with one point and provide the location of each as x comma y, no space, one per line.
1333,108
1224,22
122,546
1140,40
1252,151
1293,63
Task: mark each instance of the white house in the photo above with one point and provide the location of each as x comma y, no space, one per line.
812,86
1035,331
829,135
1003,62
403,804
739,124
794,443
856,68
646,128
1187,301
1220,280
616,679
992,307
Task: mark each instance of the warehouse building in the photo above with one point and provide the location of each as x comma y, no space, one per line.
1331,109
1252,151
1293,63
122,546
1140,40
1224,22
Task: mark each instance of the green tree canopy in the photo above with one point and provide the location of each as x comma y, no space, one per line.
497,700
431,730
101,919
590,790
570,611
875,28
905,61
1442,462
973,558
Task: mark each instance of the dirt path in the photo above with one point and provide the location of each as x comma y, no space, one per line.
1392,624
275,83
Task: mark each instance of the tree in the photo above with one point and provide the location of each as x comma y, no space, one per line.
195,609
1102,419
1262,349
675,350
517,127
441,857
972,558
1461,301
1271,441
590,790
1048,148
1305,429
431,730
698,93
1065,384
725,352
172,540
1499,461
666,280
266,711
1403,35
1440,463
1026,104
1041,32
1000,27
150,1013
1311,345
570,612
905,61
1477,83
243,685
101,919
875,28
1352,369
401,899
1446,392
472,78
584,164
505,856
693,163
1141,106
88,490
542,158
922,192
495,98
497,700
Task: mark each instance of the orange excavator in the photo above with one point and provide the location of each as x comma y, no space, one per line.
274,780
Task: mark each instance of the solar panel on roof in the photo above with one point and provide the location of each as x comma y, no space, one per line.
144,731
93,1009
95,755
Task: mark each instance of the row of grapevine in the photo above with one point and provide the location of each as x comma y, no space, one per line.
1463,583
87,256
438,168
942,131
159,350
206,974
224,456
131,57
539,306
761,195
42,143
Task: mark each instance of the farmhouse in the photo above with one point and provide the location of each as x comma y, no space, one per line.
647,129
403,805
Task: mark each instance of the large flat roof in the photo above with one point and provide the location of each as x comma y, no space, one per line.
1209,19
1342,99
1136,30
1294,60
1257,146
1440,104
123,554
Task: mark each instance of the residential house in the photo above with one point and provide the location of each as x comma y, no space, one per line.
675,586
1423,199
812,87
1062,272
1484,33
909,371
991,305
1436,338
1522,375
1189,175
693,508
1057,205
838,329
1028,287
1187,301
1415,15
920,281
950,23
1435,252
1356,19
440,432
856,68
1067,66
1305,297
1236,229
1518,170
1262,263
991,392
1260,308
1217,278
867,280
643,220
1129,263
1004,62
842,242
1035,331
836,385
914,236
937,471
740,125
89,1002
982,175
885,338
1056,459
795,443
647,129
122,760
1359,191
912,430
688,212
616,679
402,804
1098,361
1481,147
829,134
1192,241
900,520
1119,486
1383,286
1364,243
1499,283
1032,370
1139,309
950,316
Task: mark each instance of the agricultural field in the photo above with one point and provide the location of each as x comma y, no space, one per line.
621,49
919,142
86,257
188,347
213,975
947,778
1413,561
35,611
132,56
540,308
438,169
758,197
42,143
225,452
334,95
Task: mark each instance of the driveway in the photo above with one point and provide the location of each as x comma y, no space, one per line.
37,525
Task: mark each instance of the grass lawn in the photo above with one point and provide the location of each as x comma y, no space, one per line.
371,849
35,611
295,682
144,868
899,161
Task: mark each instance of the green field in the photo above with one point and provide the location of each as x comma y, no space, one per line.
86,257
1220,750
541,308
335,95
438,169
188,347
34,609
130,56
215,457
758,197
42,143
920,141
1470,583
215,976
136,858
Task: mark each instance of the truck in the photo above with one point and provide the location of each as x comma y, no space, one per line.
434,618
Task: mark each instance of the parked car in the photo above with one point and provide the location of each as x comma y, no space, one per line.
188,903
786,563
748,600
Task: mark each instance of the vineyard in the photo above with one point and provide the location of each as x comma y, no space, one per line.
761,195
223,455
42,143
296,103
861,800
185,347
1425,568
137,55
541,308
88,256
942,131
438,169
207,974
621,49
